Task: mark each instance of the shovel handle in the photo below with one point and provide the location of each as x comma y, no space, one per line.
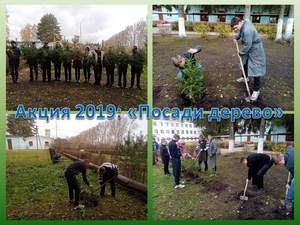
246,186
242,66
287,183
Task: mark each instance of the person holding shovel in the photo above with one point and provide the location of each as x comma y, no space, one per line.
108,173
251,52
288,160
258,164
70,174
212,148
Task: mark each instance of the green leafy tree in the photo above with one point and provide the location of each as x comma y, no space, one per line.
20,127
192,83
48,28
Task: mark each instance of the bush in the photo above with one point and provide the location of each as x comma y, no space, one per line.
223,29
192,84
266,29
190,167
223,144
275,147
201,28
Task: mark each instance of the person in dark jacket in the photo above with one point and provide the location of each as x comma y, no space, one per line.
14,61
45,59
54,156
57,60
202,148
32,61
176,160
288,161
98,67
108,173
137,61
258,164
165,156
86,64
77,64
123,60
70,174
109,61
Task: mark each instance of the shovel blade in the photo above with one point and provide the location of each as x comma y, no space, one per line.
244,198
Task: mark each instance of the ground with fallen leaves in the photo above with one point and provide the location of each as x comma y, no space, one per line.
36,189
61,94
218,198
221,69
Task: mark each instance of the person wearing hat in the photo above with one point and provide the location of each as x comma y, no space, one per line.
14,61
108,173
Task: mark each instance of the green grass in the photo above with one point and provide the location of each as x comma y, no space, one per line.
36,189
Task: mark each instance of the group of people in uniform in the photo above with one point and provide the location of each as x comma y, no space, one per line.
67,57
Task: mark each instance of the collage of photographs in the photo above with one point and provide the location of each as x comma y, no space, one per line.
164,56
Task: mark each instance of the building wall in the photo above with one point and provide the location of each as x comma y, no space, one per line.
167,128
19,143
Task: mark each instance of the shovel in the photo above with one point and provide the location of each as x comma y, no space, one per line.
287,184
248,99
244,197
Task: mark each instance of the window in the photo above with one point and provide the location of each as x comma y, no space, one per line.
46,143
161,123
182,131
154,123
186,125
162,132
167,131
156,131
191,132
177,131
182,125
187,132
190,125
172,124
195,132
30,143
177,124
173,132
167,124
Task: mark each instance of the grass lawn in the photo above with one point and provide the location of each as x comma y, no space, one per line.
61,94
218,198
36,189
221,68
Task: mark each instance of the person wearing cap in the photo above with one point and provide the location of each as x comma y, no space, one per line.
108,173
252,53
45,59
136,63
14,61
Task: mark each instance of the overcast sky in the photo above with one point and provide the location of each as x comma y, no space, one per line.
72,127
99,22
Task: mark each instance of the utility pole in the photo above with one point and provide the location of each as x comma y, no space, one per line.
36,135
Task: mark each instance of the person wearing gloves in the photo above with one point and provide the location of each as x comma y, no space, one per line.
76,168
251,52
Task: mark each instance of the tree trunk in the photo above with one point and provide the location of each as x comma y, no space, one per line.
231,137
260,145
181,22
160,15
290,25
280,24
247,14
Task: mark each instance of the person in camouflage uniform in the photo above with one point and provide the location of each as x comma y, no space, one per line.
86,65
32,61
123,60
67,63
98,76
136,62
77,63
14,54
57,60
45,58
109,61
